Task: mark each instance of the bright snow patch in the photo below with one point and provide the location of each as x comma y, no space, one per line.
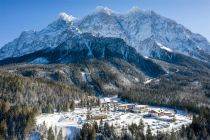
84,78
89,49
146,57
40,60
163,47
148,81
136,79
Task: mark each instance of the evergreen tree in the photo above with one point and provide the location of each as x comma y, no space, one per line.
133,129
50,108
125,136
93,134
3,128
115,108
56,130
191,133
5,106
65,106
98,102
107,108
173,135
84,132
50,134
204,134
141,126
95,125
101,126
193,137
72,106
60,135
183,132
107,130
149,133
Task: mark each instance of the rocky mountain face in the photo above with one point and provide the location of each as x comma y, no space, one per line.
138,28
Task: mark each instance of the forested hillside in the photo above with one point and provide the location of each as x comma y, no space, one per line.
22,98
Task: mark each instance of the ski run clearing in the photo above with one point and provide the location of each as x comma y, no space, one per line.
119,114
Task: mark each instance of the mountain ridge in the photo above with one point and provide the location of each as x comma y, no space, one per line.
134,26
142,25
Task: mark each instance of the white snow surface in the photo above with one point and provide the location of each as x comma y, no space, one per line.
84,78
148,81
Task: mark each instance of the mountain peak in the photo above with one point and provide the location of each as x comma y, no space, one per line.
137,10
101,9
66,17
134,9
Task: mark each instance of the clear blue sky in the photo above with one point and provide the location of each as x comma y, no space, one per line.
19,15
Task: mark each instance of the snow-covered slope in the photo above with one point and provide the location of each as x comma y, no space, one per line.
139,29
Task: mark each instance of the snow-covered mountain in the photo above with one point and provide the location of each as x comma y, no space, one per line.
139,29
50,37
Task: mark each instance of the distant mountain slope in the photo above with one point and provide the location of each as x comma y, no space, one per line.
93,76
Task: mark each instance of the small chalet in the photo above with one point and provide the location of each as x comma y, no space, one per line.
99,117
125,107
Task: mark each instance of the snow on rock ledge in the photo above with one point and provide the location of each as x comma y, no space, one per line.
164,47
66,17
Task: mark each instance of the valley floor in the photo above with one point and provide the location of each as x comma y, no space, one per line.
158,118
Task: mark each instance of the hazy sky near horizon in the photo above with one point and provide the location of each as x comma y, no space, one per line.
19,15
